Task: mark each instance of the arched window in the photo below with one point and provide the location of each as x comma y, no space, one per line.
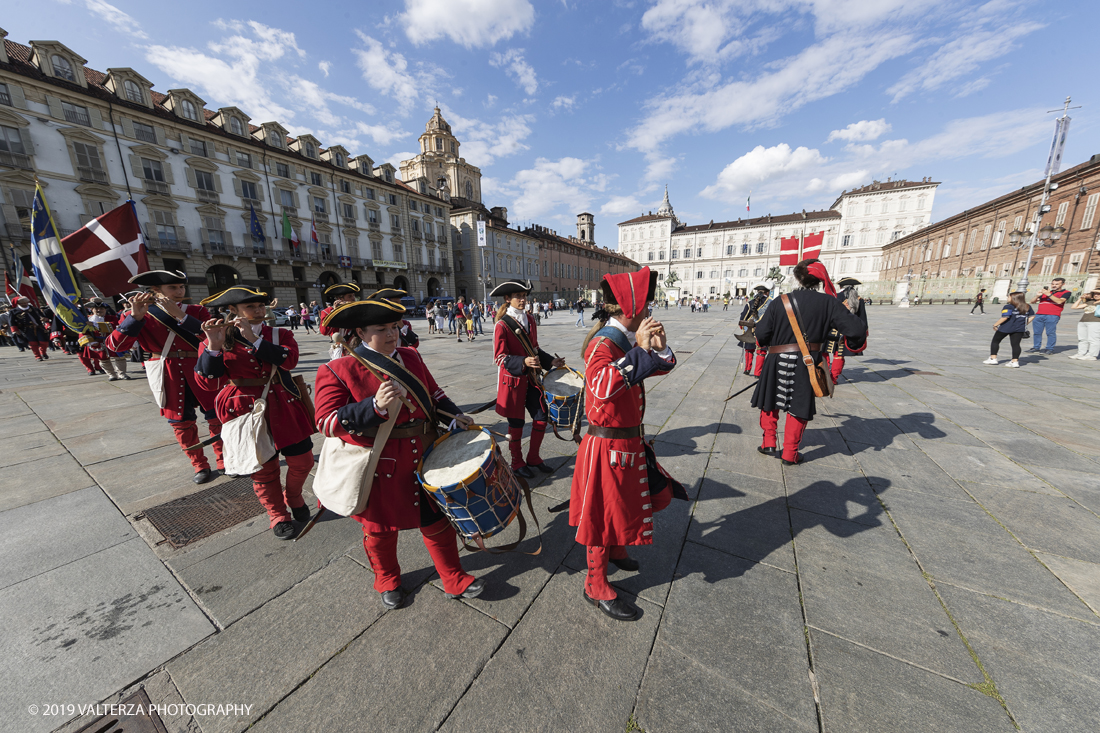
453,151
62,68
273,139
188,110
439,143
340,160
469,190
220,277
310,152
235,126
133,92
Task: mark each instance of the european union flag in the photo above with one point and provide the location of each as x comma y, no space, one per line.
51,267
257,231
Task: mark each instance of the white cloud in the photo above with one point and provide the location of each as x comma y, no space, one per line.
121,21
564,102
549,185
761,165
621,205
515,66
960,57
484,142
388,72
396,158
324,66
490,100
862,130
469,23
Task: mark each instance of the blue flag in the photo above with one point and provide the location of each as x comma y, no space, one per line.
51,267
257,231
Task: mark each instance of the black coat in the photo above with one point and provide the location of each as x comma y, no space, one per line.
837,344
785,382
752,310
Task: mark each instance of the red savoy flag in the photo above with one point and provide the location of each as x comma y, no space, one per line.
109,250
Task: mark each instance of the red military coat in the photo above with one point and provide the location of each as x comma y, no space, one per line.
151,335
513,378
610,502
94,340
286,415
321,327
344,395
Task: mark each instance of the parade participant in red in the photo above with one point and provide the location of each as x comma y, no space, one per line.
750,316
340,294
617,482
519,360
837,347
408,336
249,355
354,397
28,325
785,382
155,316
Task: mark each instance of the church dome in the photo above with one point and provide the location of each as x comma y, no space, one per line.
437,123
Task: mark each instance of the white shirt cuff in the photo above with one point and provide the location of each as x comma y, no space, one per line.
666,354
213,352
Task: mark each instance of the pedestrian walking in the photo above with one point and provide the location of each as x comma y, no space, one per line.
1088,328
580,314
477,313
785,384
1013,323
440,316
1051,302
979,302
307,317
429,313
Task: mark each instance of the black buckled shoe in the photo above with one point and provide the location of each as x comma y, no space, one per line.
767,451
525,472
394,599
284,531
626,563
616,608
797,459
544,467
473,590
202,476
301,513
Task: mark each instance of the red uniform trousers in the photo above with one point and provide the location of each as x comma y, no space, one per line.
761,354
276,497
90,361
836,366
595,583
442,544
792,432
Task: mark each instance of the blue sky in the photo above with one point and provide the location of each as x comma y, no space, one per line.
569,106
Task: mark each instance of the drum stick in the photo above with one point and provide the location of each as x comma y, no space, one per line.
505,438
309,526
742,390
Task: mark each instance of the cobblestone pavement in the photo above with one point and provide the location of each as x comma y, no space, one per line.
935,565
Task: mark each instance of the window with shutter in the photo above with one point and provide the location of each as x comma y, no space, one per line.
62,68
282,170
248,191
152,170
315,178
204,181
198,147
1090,211
1063,208
76,114
187,109
244,160
286,198
133,92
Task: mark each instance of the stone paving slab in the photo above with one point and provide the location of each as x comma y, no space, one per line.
1083,578
44,478
84,630
745,517
1054,524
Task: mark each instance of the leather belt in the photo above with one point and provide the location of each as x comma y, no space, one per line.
248,382
408,430
177,354
791,348
597,431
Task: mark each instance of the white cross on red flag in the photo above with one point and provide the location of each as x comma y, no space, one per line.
792,250
109,250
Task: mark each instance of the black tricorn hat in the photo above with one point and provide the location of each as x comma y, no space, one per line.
509,287
847,281
335,291
371,311
391,294
237,295
159,277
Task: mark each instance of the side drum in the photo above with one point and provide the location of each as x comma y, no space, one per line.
564,390
464,472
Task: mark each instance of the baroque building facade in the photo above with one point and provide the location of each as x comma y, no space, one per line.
713,259
559,267
94,139
960,255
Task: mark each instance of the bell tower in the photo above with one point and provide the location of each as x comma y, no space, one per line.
439,166
586,228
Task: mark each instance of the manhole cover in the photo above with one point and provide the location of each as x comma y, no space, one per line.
923,374
190,518
143,719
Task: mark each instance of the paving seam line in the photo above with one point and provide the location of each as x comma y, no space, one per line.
748,559
891,656
1025,604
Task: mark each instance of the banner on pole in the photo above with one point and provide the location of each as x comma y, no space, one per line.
1057,146
481,234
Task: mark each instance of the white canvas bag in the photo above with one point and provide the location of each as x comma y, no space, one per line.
345,472
155,372
246,440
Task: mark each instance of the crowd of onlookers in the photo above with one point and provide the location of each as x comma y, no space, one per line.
1018,315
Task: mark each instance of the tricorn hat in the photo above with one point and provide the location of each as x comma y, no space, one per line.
845,282
237,295
371,311
631,291
762,286
335,291
159,277
508,287
391,294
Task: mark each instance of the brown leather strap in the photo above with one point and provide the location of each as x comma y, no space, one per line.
597,431
248,382
791,348
178,354
417,428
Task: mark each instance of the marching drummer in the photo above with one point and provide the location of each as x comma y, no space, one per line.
519,360
247,352
617,482
354,395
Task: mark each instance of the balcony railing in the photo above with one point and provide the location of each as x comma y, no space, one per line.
350,221
78,117
374,226
245,201
291,211
325,255
92,175
148,136
5,98
168,245
155,186
16,160
320,216
207,197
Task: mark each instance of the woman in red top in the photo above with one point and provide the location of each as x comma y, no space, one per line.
617,483
352,402
250,354
519,360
